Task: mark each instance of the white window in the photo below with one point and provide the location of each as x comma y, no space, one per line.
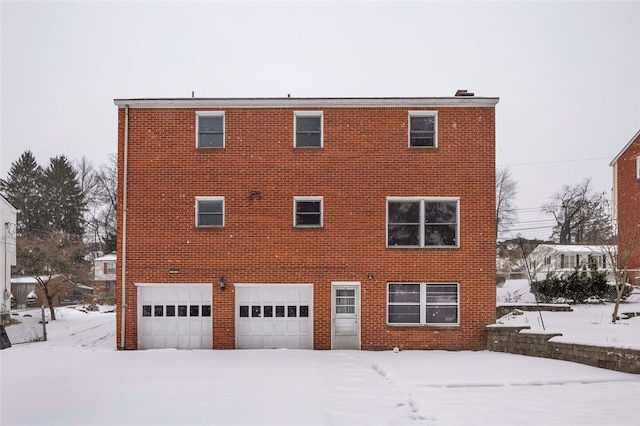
423,129
423,304
210,129
109,267
308,129
637,168
422,222
209,212
307,212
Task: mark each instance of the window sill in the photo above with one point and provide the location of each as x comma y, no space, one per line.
425,247
429,326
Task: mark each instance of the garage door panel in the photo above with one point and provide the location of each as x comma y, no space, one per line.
171,341
292,327
274,316
281,326
268,296
171,326
174,316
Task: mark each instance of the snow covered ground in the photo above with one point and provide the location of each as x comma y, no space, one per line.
78,378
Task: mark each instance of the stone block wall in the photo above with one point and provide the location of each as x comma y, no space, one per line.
517,340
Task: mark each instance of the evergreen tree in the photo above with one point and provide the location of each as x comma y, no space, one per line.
24,188
63,199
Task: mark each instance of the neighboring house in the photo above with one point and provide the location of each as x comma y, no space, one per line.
317,223
105,278
7,251
564,259
24,288
626,205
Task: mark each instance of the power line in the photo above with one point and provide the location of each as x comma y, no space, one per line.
555,162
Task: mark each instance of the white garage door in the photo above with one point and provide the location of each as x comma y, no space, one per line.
174,316
274,316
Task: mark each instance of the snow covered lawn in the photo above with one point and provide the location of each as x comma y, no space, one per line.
77,378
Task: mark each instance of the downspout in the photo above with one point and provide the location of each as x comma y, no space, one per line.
123,271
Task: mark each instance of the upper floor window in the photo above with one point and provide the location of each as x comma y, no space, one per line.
422,222
638,168
423,129
308,129
307,212
210,129
209,212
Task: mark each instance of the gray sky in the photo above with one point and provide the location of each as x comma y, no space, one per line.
567,73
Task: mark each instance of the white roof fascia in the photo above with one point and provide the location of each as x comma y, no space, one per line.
460,101
617,157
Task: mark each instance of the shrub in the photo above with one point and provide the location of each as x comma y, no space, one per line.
576,287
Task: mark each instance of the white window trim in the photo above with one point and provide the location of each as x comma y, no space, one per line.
423,306
210,199
422,213
638,168
295,201
435,128
297,114
211,114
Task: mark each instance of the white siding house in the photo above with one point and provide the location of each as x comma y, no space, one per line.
564,259
7,250
105,277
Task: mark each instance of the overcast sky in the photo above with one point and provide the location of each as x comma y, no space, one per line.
567,73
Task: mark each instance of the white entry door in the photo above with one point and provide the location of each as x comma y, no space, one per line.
345,317
174,316
273,316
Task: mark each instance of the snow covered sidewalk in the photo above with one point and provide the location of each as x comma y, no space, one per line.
85,381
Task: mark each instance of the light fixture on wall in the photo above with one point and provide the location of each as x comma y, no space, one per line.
369,276
174,271
254,193
222,283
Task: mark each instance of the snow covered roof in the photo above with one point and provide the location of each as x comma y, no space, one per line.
574,248
624,149
106,257
25,280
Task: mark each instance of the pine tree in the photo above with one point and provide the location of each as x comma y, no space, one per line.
24,188
64,201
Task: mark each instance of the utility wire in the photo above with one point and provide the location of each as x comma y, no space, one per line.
555,162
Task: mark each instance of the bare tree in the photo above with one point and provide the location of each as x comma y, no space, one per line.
56,261
619,258
582,216
506,192
99,187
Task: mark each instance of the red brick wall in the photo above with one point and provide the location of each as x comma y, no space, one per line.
364,160
628,198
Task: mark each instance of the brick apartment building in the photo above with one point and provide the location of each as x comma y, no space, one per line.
326,223
626,204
